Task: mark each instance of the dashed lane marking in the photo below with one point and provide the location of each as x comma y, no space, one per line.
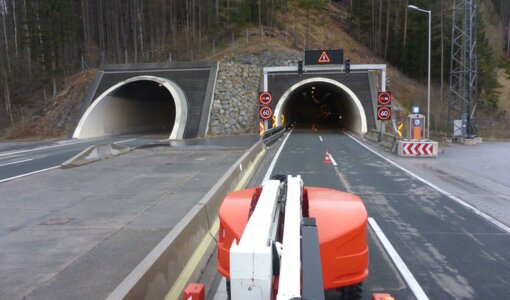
16,162
125,141
333,161
41,148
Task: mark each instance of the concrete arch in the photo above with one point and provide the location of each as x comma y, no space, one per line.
87,126
360,126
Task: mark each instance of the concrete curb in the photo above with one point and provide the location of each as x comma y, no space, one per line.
168,266
95,153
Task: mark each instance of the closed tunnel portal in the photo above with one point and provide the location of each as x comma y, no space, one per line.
139,104
322,101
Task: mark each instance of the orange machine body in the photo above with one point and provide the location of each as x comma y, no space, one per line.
341,223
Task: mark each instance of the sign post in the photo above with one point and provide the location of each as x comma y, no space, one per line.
265,112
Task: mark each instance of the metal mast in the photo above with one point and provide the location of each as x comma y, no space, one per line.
464,70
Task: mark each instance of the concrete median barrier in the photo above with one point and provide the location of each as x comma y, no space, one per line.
95,153
184,251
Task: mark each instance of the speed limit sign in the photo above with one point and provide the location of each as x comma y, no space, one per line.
383,113
265,112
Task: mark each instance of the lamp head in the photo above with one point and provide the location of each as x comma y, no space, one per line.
412,7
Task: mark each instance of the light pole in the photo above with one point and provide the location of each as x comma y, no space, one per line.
430,40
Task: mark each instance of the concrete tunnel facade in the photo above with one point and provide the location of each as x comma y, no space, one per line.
138,104
344,103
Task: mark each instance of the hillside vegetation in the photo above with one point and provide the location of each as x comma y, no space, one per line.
45,41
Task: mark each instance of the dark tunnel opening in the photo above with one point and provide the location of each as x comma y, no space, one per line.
136,106
148,105
321,104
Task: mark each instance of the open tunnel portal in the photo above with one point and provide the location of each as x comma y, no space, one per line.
134,106
322,102
145,106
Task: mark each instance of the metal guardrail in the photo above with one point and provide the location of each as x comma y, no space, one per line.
273,134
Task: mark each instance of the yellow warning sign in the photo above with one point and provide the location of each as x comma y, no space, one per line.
261,126
399,131
324,58
274,121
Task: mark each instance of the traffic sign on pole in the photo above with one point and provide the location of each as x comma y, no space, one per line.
265,98
265,112
384,98
383,113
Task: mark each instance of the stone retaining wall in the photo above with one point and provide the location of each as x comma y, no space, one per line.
235,105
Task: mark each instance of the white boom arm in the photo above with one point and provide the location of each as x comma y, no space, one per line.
251,261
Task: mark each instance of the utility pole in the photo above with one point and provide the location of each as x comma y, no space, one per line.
462,103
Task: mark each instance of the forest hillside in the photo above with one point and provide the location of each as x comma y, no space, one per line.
45,44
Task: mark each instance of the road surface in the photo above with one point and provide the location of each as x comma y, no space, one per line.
451,251
24,159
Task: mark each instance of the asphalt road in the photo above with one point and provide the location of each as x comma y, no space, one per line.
451,251
77,233
19,160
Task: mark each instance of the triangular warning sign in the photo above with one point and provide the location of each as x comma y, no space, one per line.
324,58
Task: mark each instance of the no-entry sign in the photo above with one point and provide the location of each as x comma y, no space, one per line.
265,98
384,98
383,113
265,112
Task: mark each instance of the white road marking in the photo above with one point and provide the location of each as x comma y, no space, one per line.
332,159
447,194
28,174
413,285
273,163
125,141
16,162
41,148
320,138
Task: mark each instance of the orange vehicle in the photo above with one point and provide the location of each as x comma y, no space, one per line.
341,220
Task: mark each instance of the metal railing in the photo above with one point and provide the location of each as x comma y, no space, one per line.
273,134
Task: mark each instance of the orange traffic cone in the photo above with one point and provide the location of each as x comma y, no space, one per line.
327,160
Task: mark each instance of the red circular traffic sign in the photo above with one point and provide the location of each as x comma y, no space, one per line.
383,113
265,112
265,98
384,98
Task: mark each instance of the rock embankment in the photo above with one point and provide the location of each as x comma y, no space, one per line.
235,106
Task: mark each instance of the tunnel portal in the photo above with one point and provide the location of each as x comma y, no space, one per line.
139,104
322,101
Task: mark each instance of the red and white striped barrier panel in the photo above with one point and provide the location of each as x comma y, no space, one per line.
421,149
